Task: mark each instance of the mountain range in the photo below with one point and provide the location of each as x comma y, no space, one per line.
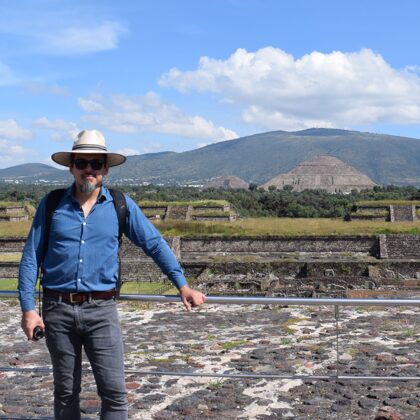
257,158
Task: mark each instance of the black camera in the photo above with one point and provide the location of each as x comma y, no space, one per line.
38,333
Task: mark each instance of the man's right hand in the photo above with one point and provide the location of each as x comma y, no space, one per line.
30,320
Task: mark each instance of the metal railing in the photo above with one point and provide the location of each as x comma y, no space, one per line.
240,300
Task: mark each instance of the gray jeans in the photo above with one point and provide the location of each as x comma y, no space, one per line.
95,326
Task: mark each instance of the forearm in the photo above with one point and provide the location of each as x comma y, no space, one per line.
31,258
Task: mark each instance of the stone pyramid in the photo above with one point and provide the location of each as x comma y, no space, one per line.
323,173
228,183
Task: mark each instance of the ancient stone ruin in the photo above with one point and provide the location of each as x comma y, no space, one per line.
13,213
322,173
389,212
230,182
347,266
190,212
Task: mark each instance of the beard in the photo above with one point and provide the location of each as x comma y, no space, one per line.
87,187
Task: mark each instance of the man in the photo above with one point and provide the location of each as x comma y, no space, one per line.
80,274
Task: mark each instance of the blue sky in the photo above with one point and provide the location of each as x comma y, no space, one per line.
178,74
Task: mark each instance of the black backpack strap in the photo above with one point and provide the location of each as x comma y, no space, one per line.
54,197
121,208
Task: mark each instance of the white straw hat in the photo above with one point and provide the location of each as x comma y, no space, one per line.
89,141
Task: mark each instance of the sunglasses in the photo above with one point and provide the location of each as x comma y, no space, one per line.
95,164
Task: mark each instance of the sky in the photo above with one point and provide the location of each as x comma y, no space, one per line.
160,75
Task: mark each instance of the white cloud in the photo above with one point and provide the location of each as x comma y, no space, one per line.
277,91
13,154
275,119
10,130
7,76
89,105
128,151
149,113
62,32
83,39
40,88
62,130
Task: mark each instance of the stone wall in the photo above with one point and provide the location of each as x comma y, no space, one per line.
9,270
402,213
12,209
12,245
400,246
304,266
275,247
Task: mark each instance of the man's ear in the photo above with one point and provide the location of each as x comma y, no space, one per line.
106,169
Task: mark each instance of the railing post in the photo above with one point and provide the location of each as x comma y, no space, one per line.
336,315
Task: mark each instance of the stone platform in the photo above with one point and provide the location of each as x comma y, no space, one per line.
237,339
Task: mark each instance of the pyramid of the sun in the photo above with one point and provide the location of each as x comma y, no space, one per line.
323,173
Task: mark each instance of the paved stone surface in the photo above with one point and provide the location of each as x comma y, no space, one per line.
237,340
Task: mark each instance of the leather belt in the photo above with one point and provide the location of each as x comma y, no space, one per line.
79,297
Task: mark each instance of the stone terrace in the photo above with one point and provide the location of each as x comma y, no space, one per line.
238,340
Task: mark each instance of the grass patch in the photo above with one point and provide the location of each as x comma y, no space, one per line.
264,226
353,352
12,257
170,359
303,338
286,227
199,203
218,383
315,348
8,284
286,326
386,203
15,229
210,337
15,214
232,344
139,288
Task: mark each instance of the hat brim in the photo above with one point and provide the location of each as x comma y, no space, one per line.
64,158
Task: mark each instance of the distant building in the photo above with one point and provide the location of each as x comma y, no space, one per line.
230,182
323,173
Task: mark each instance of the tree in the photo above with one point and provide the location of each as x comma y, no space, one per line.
253,186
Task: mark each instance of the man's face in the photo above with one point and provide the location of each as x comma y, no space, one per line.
87,178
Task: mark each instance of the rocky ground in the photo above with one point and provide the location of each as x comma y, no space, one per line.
238,340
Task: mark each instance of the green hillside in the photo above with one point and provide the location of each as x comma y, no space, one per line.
385,159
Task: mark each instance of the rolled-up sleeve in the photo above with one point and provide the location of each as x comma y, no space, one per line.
31,259
143,234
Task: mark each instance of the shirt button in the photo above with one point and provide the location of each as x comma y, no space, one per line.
83,242
84,223
79,280
80,260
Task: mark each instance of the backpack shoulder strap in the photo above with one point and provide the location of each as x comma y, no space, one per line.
53,199
120,205
121,208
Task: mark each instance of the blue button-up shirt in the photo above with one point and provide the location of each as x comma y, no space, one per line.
82,253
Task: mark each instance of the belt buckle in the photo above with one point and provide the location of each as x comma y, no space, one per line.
72,296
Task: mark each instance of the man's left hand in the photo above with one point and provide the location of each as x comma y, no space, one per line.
191,298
